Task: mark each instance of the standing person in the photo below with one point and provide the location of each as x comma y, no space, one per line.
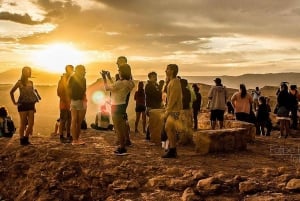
241,102
294,106
120,62
140,107
174,105
269,122
119,93
196,105
77,88
186,94
284,107
26,104
217,97
153,93
255,95
64,105
262,116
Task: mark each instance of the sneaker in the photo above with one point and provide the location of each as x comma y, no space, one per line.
120,152
62,139
69,139
171,153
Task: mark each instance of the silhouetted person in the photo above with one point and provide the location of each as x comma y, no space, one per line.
284,107
217,97
262,116
153,97
255,95
119,93
196,105
186,94
174,105
242,104
140,107
230,108
77,88
64,104
294,106
26,104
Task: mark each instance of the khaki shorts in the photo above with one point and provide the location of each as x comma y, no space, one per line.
77,105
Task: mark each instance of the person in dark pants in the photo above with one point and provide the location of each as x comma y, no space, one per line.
217,98
294,106
196,105
153,94
262,116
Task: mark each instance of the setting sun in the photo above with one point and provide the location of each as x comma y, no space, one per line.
55,57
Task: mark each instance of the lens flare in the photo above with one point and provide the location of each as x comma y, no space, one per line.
99,97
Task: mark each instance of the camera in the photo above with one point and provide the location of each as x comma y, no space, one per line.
104,72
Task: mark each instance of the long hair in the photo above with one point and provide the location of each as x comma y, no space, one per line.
141,86
125,72
243,90
25,77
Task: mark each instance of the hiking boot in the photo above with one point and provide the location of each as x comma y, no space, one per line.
24,141
120,151
69,139
172,153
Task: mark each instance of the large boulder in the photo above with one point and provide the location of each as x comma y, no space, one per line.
222,140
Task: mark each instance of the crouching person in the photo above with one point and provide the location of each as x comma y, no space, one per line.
102,120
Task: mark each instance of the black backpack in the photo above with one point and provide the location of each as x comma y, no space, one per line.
8,128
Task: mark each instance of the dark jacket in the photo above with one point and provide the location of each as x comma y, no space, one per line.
153,95
77,87
262,113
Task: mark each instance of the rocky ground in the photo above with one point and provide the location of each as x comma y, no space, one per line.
48,170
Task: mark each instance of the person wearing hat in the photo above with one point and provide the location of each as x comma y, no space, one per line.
217,97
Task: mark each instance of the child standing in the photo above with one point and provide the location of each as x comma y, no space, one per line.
262,115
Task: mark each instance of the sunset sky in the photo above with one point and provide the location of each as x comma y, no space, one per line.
204,37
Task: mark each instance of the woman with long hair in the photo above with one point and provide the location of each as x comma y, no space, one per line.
284,106
77,88
140,107
241,102
119,95
26,104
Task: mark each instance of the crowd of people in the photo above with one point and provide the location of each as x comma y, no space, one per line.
173,95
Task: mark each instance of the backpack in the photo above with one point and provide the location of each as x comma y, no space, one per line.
8,128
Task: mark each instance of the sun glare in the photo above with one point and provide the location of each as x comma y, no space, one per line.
55,57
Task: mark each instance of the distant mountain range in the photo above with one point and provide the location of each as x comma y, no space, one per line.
250,80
